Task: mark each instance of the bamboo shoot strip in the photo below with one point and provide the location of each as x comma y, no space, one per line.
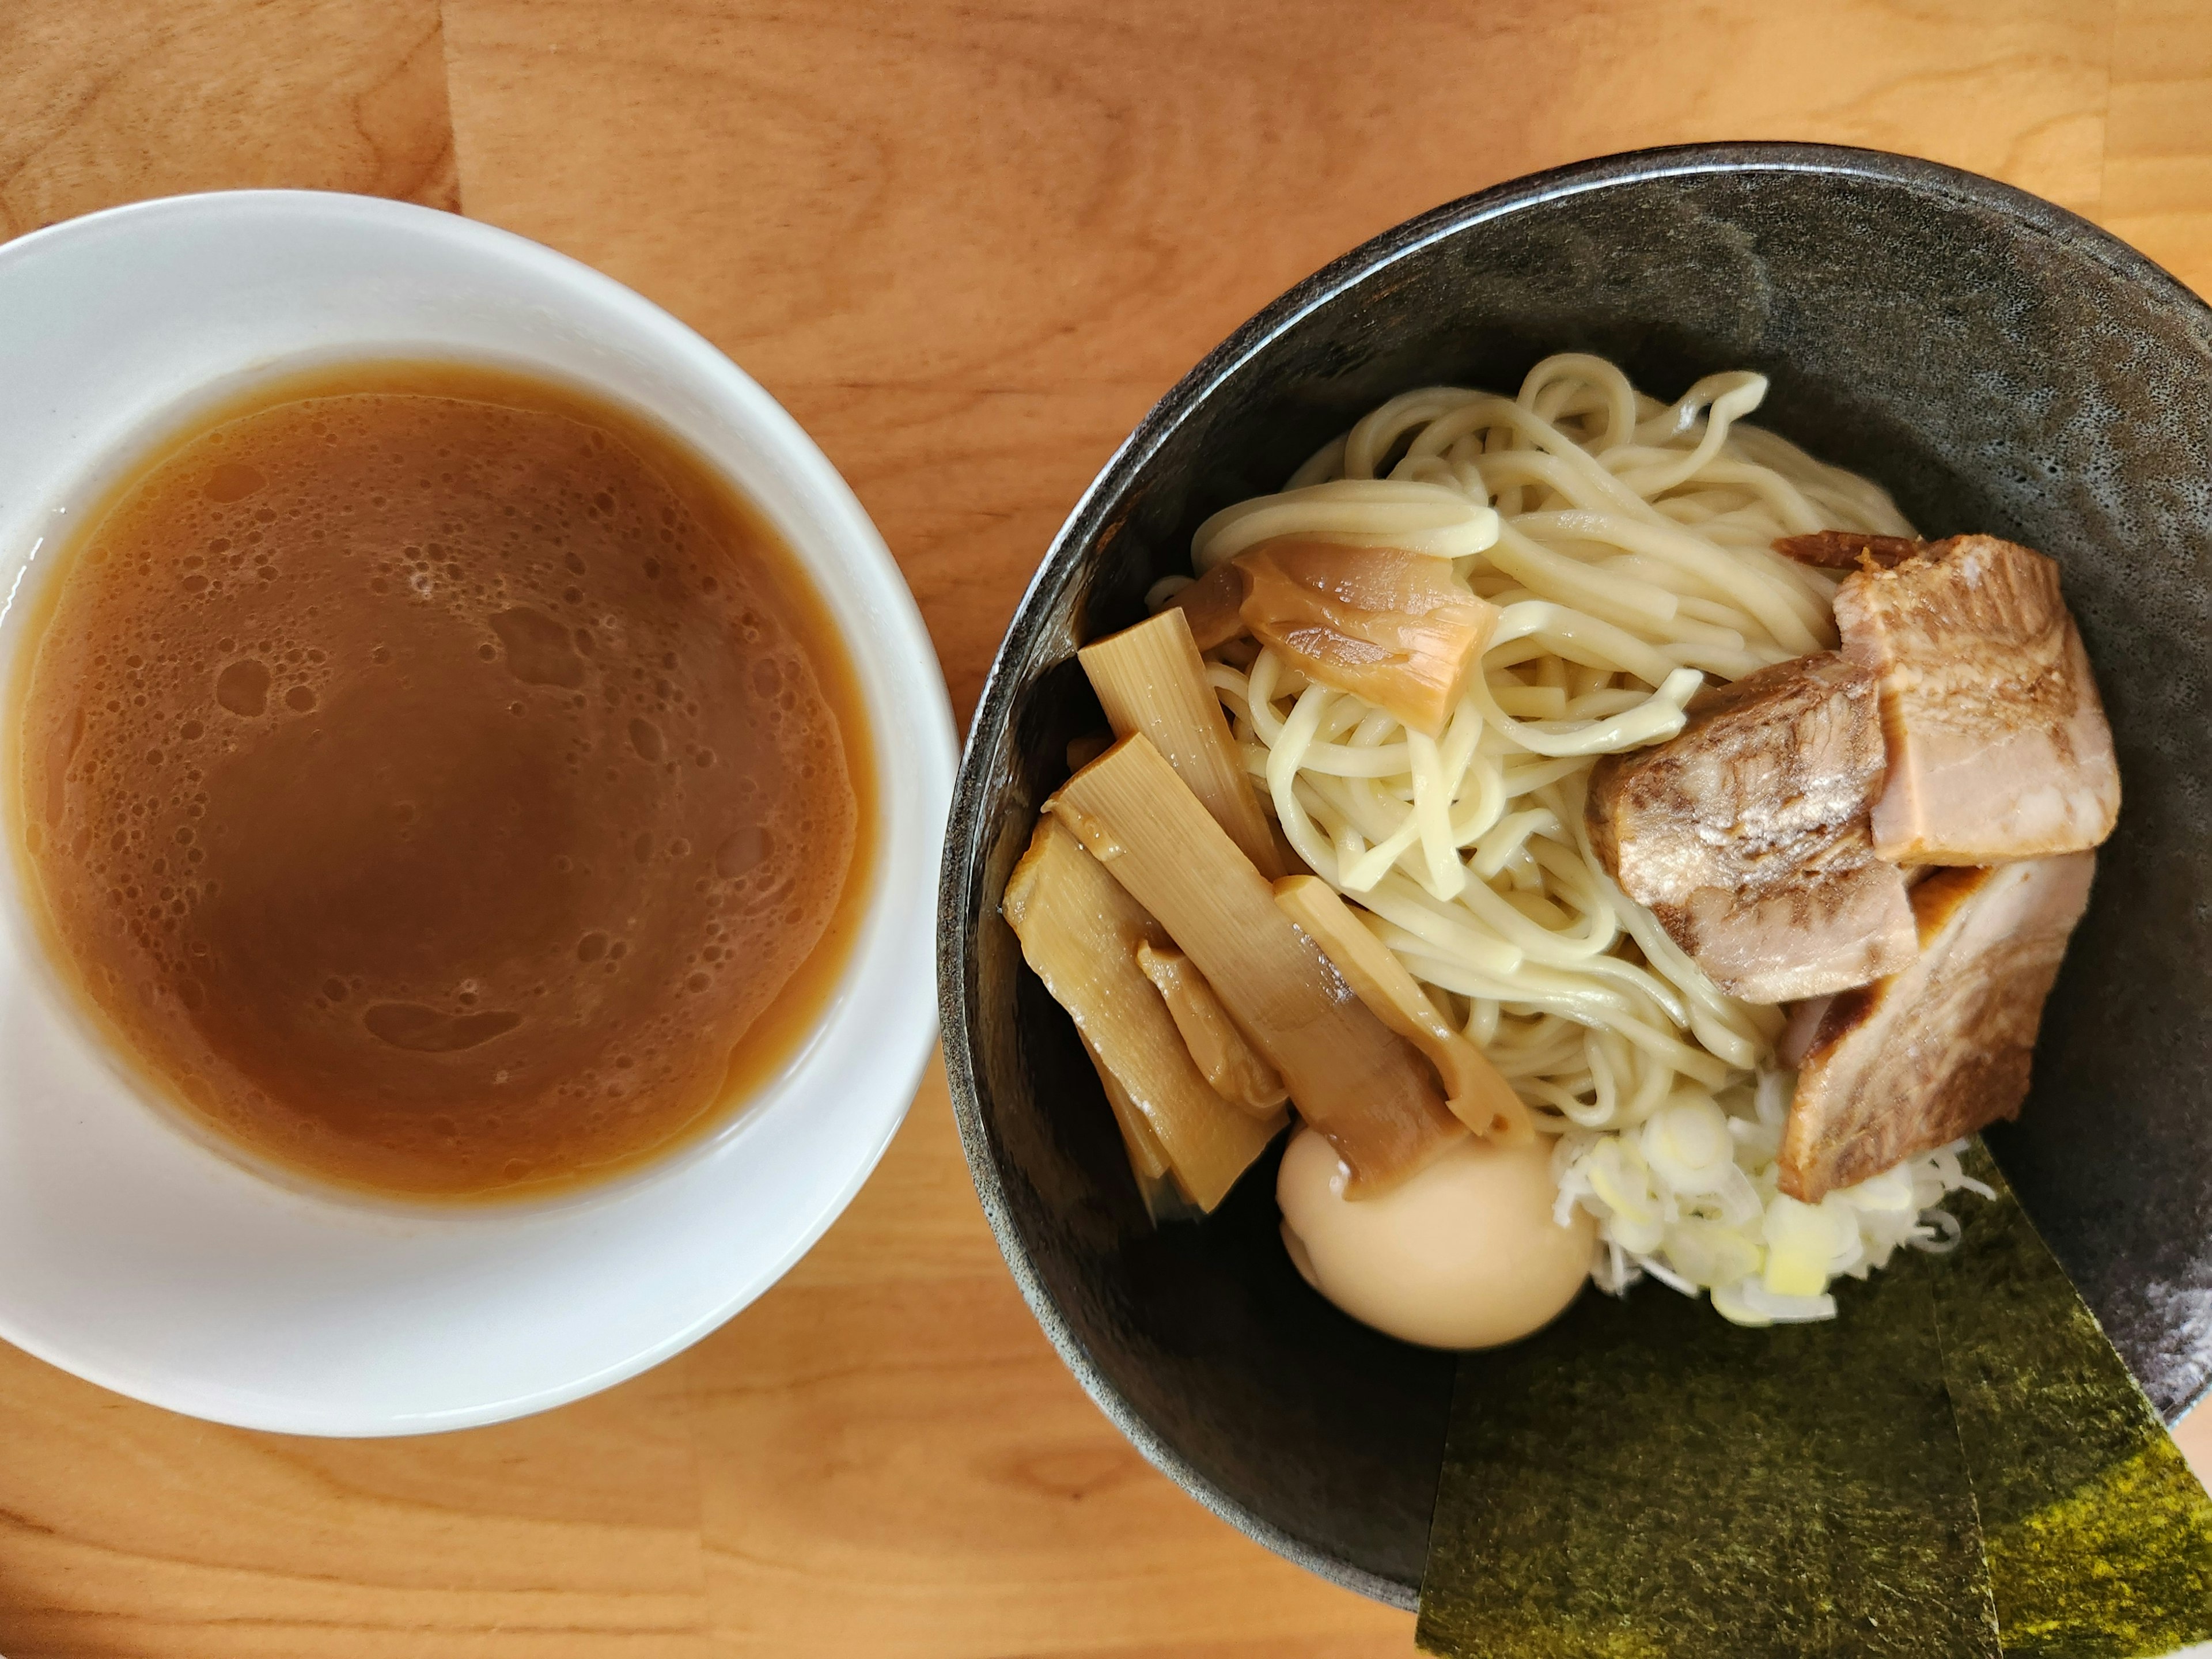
1150,678
1475,1090
2100,1539
1352,1079
1147,1156
1164,1198
1238,1073
1643,1479
1079,933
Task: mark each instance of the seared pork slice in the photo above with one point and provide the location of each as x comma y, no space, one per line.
1803,1025
1943,1048
1745,833
1839,926
1998,748
1848,549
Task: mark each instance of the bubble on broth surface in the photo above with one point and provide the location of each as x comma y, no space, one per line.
539,651
243,688
233,481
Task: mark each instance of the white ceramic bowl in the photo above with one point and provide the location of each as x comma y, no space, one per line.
138,1257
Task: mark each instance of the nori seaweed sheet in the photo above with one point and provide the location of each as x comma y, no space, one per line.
1958,1457
1643,1479
2099,1538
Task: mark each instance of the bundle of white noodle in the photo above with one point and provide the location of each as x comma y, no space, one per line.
1627,544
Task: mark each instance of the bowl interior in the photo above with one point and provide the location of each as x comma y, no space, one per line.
133,1255
1998,365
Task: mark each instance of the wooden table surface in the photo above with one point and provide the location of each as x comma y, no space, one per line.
967,243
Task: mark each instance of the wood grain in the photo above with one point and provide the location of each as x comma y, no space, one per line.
969,245
968,242
892,1461
127,1531
121,99
2157,189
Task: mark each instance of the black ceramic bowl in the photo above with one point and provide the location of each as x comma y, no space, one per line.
2000,365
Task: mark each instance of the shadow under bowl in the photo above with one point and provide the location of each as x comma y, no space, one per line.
1999,365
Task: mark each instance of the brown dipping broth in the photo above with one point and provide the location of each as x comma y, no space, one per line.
439,781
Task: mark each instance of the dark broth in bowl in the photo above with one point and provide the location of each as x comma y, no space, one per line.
441,781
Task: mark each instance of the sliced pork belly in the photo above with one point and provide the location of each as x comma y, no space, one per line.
1746,834
1837,926
1942,1048
1998,748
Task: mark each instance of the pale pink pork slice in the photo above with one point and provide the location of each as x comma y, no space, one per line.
1998,748
1942,1048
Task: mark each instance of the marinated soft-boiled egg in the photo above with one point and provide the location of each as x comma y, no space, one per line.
1464,1254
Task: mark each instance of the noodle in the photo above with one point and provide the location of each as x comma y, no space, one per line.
1627,544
